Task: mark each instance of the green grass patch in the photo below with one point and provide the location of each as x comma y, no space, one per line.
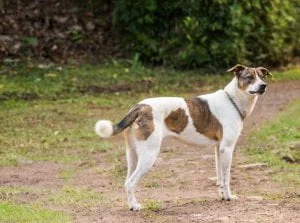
8,193
198,201
290,74
152,205
278,144
39,81
59,131
32,81
67,174
151,184
10,212
76,196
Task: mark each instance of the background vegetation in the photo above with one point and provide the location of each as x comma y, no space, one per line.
47,114
209,33
51,94
277,144
184,34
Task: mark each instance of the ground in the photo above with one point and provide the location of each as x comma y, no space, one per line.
179,188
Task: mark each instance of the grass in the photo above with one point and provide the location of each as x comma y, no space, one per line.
67,174
8,193
290,74
198,201
47,113
10,212
276,140
152,205
32,81
151,183
49,81
76,196
49,131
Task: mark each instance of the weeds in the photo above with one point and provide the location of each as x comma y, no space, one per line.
272,143
67,174
8,193
152,205
76,196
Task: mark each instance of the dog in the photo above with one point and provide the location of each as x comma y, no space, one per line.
214,119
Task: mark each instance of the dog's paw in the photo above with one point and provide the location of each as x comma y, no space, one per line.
230,198
135,207
233,197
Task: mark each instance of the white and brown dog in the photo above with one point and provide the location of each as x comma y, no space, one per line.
213,119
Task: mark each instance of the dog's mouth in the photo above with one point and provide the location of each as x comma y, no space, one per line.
260,92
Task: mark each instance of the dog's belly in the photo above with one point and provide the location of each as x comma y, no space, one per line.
189,136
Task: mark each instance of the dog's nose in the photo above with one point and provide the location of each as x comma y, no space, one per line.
262,87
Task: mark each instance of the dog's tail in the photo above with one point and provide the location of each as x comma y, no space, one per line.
105,128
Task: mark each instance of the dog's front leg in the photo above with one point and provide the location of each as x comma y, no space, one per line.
225,152
217,162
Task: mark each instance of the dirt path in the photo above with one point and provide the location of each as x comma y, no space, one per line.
183,180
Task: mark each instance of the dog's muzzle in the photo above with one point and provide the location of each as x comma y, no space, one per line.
261,90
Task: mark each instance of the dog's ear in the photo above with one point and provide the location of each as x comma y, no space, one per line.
237,69
264,71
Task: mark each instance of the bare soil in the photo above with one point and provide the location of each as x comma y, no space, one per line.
182,180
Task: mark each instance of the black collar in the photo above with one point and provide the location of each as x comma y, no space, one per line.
235,105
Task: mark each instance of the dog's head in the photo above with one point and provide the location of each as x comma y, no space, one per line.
250,79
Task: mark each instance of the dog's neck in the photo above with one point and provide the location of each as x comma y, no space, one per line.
243,100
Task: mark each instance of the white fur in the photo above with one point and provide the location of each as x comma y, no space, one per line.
255,87
141,154
104,128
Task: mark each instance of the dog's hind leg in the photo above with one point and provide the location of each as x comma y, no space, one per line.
130,153
147,153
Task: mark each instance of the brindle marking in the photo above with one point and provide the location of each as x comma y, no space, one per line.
204,121
246,77
127,120
263,72
141,115
177,121
144,122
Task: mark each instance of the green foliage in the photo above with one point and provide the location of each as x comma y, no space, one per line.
209,33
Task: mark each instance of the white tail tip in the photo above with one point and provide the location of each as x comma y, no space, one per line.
104,128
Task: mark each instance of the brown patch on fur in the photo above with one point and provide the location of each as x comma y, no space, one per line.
144,123
204,121
246,77
237,69
128,119
177,120
263,72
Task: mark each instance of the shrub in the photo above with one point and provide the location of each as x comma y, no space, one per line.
188,33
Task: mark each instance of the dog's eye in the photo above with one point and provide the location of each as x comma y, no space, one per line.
249,79
262,77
